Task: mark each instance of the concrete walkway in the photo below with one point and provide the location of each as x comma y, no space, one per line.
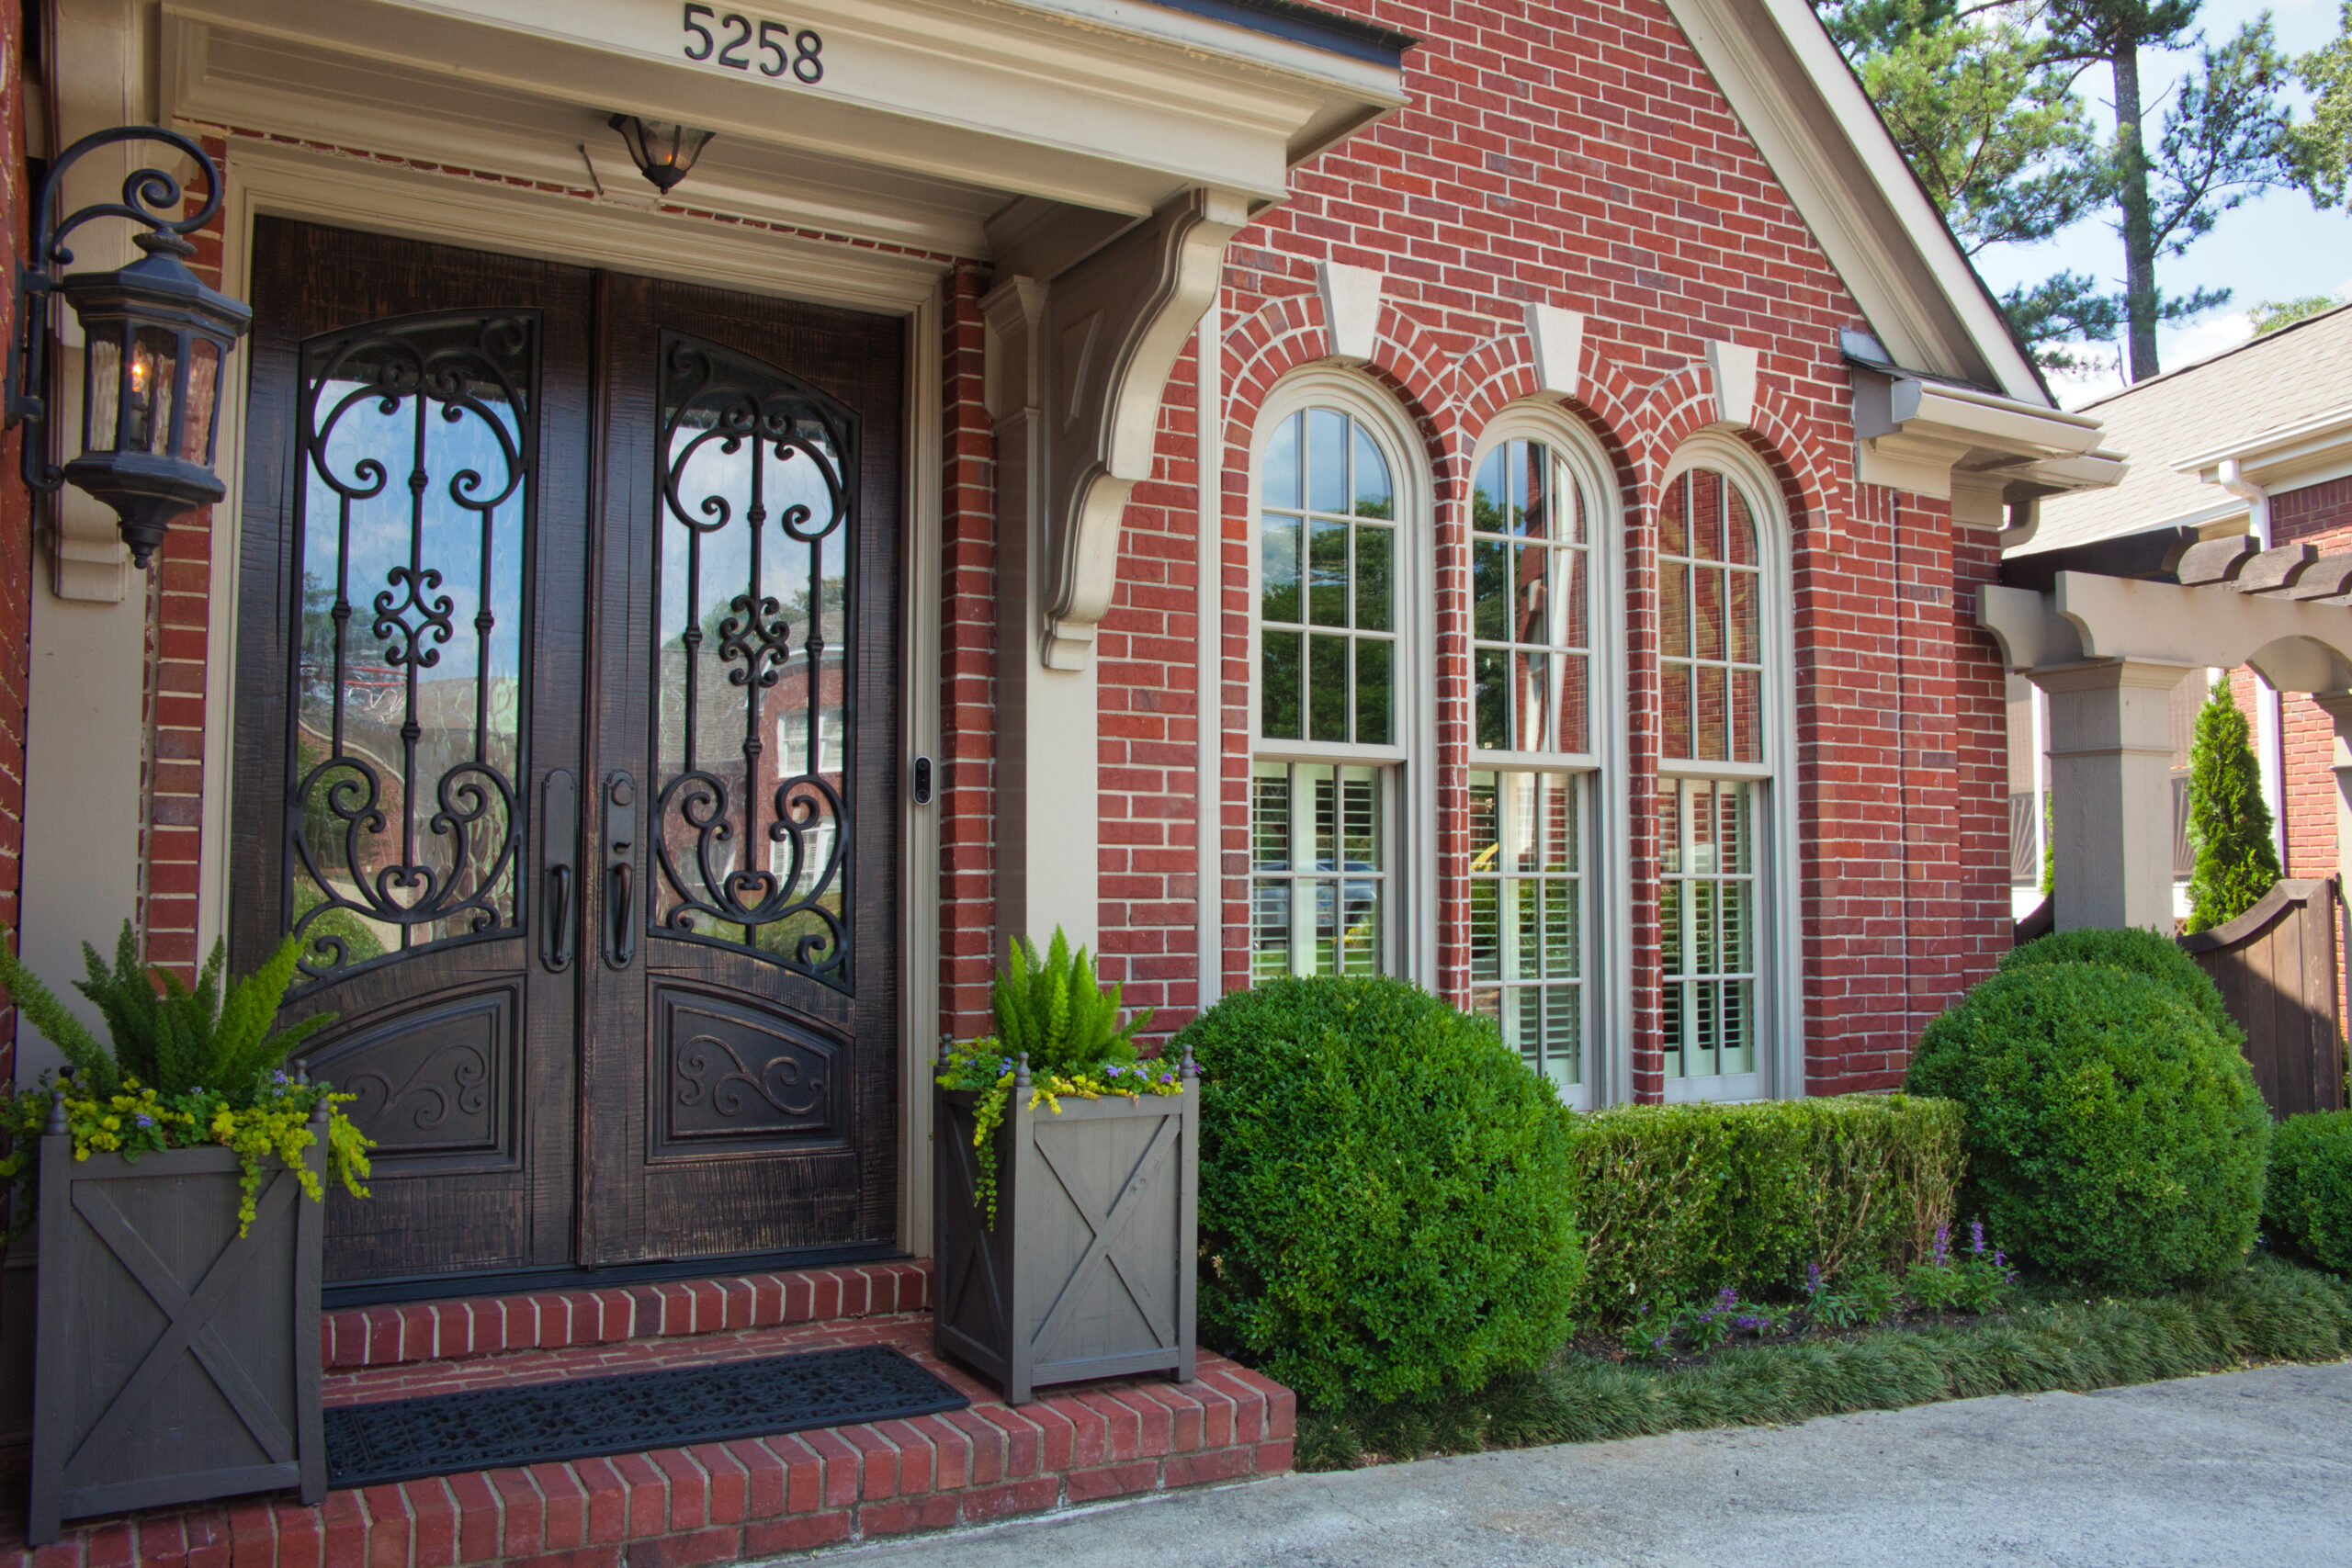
2250,1468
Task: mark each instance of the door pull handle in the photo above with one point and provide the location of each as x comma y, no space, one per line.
559,841
620,870
560,916
624,939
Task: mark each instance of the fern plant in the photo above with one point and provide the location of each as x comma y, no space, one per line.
173,1039
1053,1010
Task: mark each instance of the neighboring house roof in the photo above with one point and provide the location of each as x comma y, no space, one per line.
2271,391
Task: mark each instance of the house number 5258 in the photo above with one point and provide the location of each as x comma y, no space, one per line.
728,40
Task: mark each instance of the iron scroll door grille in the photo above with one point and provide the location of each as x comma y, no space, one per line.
418,454
753,661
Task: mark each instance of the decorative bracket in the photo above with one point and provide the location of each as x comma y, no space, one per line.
1114,326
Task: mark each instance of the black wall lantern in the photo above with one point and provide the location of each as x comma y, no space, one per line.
154,341
664,151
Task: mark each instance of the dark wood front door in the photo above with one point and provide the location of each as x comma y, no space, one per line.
567,743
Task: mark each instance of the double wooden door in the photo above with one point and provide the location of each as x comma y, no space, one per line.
567,735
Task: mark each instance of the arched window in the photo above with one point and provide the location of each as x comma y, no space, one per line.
1334,624
1544,861
1723,665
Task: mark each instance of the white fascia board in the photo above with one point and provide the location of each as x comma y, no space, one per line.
2309,451
1918,436
1987,421
1016,98
1815,127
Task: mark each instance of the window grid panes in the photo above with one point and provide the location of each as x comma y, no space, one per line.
1530,613
1318,888
1707,904
1710,634
1326,566
1527,906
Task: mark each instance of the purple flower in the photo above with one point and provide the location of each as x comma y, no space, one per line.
1976,1238
144,1120
1728,1299
1813,1278
1943,1246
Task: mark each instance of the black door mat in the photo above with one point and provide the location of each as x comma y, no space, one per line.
489,1428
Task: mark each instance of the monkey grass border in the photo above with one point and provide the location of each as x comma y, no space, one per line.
2271,1311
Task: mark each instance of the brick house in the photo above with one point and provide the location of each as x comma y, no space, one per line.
1550,583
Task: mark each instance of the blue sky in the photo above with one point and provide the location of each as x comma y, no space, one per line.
2274,247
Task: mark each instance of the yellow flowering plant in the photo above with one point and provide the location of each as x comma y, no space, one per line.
186,1067
1056,1024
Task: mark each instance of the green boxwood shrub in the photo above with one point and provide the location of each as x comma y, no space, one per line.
2309,1200
2113,1137
2147,952
1385,1199
1679,1201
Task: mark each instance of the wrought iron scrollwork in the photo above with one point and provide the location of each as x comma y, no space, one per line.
759,497
403,826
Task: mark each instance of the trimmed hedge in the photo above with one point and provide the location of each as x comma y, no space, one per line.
2159,958
1386,1205
2309,1199
1679,1201
2113,1137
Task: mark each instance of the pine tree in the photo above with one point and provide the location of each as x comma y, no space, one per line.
2229,822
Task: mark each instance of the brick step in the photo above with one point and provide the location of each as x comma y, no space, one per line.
460,1329
713,1503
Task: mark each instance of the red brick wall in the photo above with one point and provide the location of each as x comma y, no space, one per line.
2318,514
1581,156
967,789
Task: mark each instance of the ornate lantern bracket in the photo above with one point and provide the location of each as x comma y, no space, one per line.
155,340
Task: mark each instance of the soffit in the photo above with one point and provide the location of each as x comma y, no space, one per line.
931,113
1815,128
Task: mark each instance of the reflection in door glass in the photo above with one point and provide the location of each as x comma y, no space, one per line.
419,441
758,487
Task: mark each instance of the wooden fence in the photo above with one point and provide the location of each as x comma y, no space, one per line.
2279,968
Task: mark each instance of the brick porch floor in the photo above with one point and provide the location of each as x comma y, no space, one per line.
712,1503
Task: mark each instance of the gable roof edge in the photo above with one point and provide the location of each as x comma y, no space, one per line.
1809,118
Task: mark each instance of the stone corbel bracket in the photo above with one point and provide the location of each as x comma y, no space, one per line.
2298,646
1115,323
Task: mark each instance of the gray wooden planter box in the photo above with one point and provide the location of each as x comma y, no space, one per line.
174,1362
1088,1272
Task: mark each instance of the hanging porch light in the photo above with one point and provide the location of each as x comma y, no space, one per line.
664,151
154,341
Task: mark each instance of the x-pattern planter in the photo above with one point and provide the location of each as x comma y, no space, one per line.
176,1360
1088,1272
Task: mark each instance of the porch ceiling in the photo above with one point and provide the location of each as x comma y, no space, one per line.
931,116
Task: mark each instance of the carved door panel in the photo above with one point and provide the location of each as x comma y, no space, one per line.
407,723
739,1072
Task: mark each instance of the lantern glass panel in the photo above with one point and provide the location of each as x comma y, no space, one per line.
203,400
103,395
154,391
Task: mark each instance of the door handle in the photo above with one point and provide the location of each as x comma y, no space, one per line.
560,845
620,870
558,917
623,938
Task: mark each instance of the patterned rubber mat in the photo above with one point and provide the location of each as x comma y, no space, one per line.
441,1434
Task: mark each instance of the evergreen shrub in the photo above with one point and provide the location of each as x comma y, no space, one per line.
2151,953
2309,1200
1679,1202
2229,821
2113,1135
1387,1203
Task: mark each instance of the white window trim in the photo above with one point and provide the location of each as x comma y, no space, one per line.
1779,1065
1412,883
1608,1067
